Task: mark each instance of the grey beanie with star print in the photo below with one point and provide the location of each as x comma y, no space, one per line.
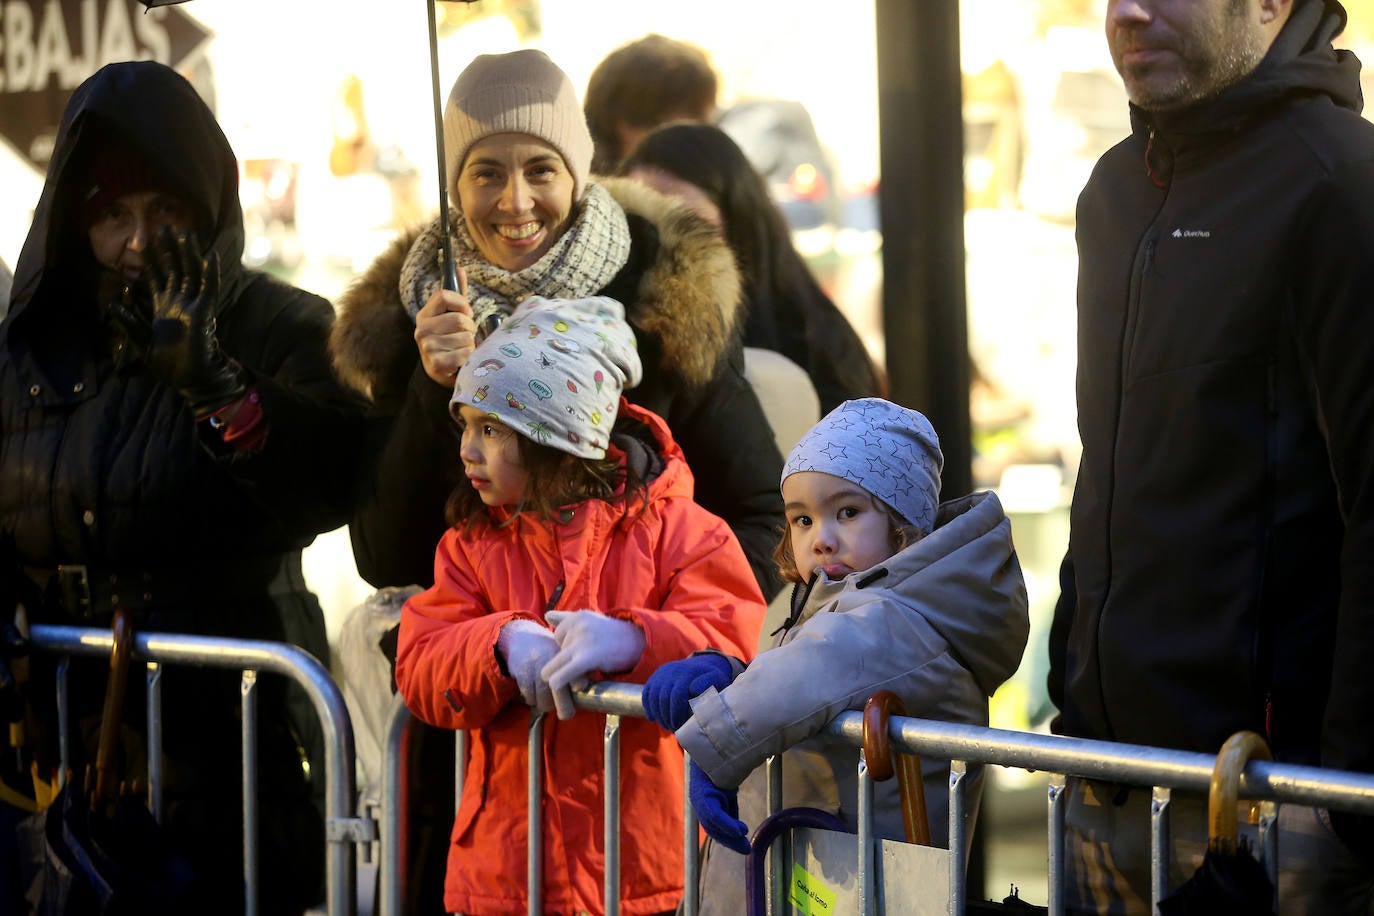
889,450
553,372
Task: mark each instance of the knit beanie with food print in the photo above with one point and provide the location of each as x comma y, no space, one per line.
553,372
889,450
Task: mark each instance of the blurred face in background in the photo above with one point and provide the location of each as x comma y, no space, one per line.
686,193
121,230
1172,53
516,195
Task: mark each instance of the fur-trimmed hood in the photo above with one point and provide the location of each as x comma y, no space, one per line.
687,295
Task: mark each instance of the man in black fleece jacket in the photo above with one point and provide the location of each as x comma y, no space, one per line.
1218,576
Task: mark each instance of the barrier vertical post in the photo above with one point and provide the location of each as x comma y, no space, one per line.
534,862
1160,797
248,687
1057,801
958,856
154,713
611,748
690,850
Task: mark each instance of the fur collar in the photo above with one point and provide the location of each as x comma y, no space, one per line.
688,296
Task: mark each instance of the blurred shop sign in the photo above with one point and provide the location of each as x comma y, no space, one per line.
47,47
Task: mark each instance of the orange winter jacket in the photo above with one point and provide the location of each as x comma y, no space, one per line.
670,567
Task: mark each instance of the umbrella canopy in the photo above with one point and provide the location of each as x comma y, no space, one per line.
1229,880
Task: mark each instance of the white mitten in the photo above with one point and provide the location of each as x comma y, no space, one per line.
526,648
588,642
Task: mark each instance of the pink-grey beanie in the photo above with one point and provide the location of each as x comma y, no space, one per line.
521,92
553,372
889,450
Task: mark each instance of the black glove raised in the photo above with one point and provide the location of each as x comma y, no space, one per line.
181,345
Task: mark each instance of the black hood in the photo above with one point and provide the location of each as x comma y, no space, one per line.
1300,63
156,114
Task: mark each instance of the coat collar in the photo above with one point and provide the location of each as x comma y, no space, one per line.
687,295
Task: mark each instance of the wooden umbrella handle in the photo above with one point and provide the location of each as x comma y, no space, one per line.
1223,832
112,716
878,755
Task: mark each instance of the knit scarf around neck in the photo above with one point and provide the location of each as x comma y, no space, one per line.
581,263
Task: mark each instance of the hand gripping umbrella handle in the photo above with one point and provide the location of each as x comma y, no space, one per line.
878,755
1239,749
111,718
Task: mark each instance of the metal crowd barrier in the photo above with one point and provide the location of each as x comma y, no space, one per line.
1162,770
342,829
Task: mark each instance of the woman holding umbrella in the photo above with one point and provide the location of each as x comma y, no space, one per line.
530,221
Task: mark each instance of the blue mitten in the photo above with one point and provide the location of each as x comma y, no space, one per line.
718,810
668,692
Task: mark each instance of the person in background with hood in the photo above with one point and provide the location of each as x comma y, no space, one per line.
171,437
893,590
1218,575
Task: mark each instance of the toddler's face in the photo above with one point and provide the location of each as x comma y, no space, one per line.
836,526
491,460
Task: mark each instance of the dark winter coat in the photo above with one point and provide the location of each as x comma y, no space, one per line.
105,467
1218,576
681,294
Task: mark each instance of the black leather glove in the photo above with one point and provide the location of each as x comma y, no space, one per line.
181,346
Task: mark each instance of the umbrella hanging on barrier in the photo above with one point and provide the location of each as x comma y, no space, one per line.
97,848
1229,880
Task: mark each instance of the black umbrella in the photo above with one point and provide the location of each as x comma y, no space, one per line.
97,848
1229,880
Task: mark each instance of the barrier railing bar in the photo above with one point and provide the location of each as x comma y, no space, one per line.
690,850
963,745
154,716
278,658
1110,761
611,762
958,827
781,850
248,689
1160,797
865,844
390,867
534,864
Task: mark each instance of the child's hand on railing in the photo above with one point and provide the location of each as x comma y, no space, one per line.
669,691
525,648
589,641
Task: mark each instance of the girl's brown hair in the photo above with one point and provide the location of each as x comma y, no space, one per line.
554,478
901,532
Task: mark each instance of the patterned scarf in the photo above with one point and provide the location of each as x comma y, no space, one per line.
583,260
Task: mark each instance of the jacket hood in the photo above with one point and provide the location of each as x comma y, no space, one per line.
966,580
159,117
1300,63
687,295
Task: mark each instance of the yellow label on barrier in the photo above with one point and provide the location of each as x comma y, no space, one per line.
809,895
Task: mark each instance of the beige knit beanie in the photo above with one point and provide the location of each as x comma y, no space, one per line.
521,92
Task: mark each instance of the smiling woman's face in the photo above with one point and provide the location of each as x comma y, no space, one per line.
516,195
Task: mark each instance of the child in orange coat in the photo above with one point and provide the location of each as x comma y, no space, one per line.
576,552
